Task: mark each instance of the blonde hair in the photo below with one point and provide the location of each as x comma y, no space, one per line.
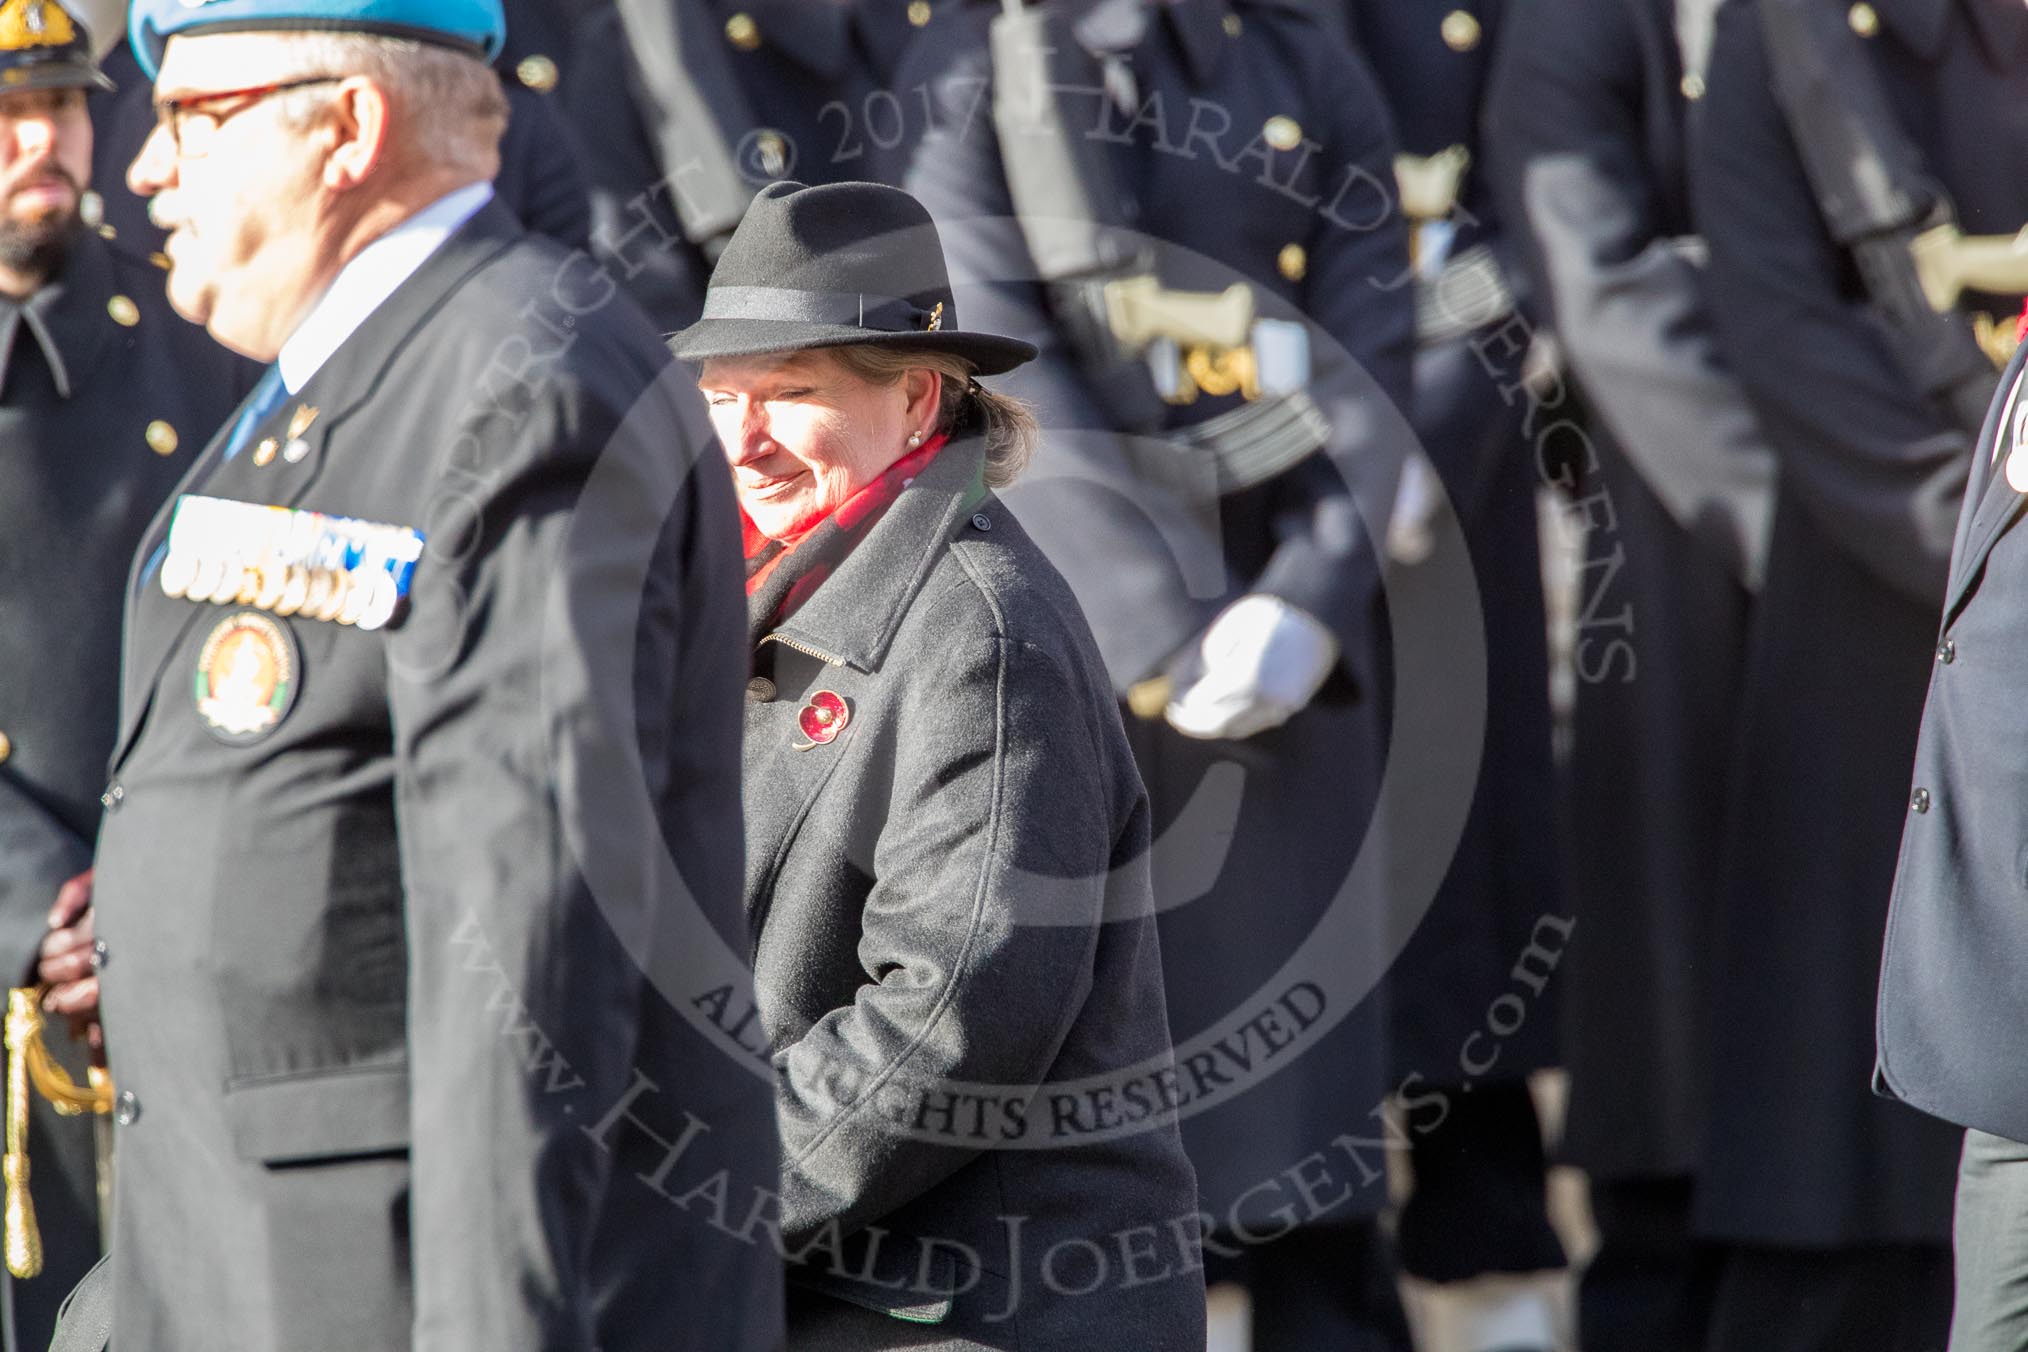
1008,425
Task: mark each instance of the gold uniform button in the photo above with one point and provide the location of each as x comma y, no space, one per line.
124,312
161,438
742,32
159,259
107,232
6,746
771,148
1283,133
264,454
1865,19
1461,31
1693,87
918,12
537,72
1293,261
1233,27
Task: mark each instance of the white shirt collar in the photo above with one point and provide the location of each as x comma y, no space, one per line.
370,278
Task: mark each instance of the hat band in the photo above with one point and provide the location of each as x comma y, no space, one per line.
851,309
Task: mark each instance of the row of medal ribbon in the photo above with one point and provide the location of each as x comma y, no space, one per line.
289,562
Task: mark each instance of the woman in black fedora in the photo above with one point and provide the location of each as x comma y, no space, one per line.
946,886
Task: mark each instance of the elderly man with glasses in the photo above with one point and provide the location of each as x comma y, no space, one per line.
418,882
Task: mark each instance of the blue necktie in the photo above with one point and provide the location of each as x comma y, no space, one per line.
267,396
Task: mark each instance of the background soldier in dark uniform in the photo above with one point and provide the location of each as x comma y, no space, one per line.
1235,143
1672,481
686,106
1836,1204
1479,1205
105,397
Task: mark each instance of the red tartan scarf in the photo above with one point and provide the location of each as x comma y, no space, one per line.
781,574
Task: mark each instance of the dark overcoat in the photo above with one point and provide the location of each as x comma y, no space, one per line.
1433,59
1871,478
408,994
1667,472
98,420
1255,840
952,932
1951,1008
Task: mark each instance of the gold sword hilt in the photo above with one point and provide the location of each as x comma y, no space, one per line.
29,1063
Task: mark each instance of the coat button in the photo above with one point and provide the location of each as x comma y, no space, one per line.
6,746
742,32
1919,800
1692,86
1293,262
760,690
1865,19
161,437
771,149
124,312
1461,31
114,795
1282,132
980,521
1947,651
537,73
101,955
918,13
126,1108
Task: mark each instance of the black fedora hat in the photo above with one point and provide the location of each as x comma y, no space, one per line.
844,264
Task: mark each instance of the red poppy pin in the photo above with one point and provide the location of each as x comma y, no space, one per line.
822,719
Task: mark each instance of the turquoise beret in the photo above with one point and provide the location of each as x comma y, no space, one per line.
478,26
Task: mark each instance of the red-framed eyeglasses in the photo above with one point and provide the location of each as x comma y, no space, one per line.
190,113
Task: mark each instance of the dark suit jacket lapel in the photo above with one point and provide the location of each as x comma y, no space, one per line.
1991,503
336,391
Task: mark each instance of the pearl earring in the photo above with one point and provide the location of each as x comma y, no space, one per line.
915,438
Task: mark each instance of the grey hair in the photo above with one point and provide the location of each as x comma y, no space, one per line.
451,106
1009,425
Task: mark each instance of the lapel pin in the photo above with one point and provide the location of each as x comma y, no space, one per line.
822,719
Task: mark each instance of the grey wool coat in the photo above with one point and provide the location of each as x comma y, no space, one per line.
949,905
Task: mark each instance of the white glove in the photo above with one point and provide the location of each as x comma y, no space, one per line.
1411,535
1257,665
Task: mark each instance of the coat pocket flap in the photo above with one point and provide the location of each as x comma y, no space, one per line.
917,1283
360,1111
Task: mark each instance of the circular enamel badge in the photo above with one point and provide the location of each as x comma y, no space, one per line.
246,677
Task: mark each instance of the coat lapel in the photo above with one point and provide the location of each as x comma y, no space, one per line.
341,385
852,617
1991,503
